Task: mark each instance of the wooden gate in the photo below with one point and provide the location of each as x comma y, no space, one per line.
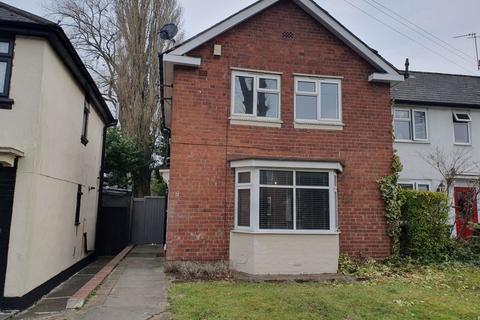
148,220
7,188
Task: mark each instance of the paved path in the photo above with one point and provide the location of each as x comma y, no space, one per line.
136,290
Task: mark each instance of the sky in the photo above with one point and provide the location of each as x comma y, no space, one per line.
387,33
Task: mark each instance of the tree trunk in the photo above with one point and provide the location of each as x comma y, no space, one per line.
141,183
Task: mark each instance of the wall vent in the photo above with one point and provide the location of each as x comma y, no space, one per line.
288,35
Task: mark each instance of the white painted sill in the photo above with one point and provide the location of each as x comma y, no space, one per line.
256,122
412,141
287,232
319,125
463,144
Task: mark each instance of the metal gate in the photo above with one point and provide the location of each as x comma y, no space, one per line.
148,220
7,188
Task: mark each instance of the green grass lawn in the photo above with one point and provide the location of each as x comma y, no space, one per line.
428,293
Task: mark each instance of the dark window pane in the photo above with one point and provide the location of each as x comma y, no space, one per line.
330,105
268,105
244,208
276,208
313,209
271,84
319,179
462,116
423,187
280,178
420,125
407,186
403,130
243,95
244,177
461,133
306,107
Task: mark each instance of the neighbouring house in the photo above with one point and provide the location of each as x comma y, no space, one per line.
434,111
281,127
52,122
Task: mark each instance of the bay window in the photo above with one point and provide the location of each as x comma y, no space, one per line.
410,125
286,200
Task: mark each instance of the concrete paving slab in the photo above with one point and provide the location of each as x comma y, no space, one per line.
70,287
4,316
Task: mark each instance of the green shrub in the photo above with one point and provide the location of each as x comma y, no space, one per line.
425,231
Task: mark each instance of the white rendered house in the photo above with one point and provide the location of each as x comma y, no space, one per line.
441,112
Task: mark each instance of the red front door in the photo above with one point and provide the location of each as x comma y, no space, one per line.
466,211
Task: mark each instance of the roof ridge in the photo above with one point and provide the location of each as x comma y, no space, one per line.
443,73
26,14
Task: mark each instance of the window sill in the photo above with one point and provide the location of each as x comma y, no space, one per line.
287,232
84,141
412,141
256,122
6,103
329,126
463,144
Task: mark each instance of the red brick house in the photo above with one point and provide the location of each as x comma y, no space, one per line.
281,126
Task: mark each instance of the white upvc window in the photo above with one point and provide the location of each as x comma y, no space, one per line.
462,128
256,96
415,185
410,124
318,100
275,200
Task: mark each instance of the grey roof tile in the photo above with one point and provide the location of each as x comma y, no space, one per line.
439,88
13,14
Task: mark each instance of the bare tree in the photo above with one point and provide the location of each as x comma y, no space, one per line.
118,40
451,166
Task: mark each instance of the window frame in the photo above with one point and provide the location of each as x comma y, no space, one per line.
415,184
412,123
255,186
5,101
85,120
256,90
467,122
318,93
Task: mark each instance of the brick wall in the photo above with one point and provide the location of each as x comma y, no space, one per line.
202,183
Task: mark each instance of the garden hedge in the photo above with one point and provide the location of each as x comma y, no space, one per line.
425,229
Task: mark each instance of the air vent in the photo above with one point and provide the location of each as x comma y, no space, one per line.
288,35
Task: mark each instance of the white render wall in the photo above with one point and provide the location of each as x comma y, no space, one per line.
45,123
441,135
284,254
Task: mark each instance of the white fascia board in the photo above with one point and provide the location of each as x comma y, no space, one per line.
386,77
223,26
182,60
278,164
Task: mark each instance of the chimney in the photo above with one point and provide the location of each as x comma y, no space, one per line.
407,71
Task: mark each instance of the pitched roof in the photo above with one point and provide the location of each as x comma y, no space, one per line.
312,8
10,13
17,21
440,89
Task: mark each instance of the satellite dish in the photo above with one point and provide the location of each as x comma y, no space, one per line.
168,31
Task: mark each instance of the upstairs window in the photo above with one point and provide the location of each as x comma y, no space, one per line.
318,100
6,56
86,114
410,125
255,95
461,127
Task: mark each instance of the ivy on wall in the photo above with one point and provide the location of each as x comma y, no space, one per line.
394,199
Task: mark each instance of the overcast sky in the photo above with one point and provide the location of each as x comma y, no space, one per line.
443,19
